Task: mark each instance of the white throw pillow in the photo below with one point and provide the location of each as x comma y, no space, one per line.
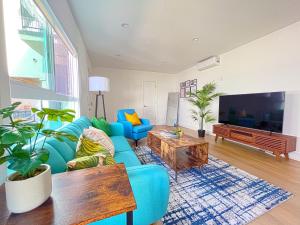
101,137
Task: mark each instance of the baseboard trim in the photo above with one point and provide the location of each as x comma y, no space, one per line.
295,155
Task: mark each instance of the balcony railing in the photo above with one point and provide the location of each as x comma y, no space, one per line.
31,24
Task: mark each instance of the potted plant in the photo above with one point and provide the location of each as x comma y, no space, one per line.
22,146
202,100
178,132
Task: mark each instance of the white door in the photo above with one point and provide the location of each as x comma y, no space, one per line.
149,107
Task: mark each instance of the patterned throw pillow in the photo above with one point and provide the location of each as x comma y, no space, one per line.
100,136
102,124
133,118
89,147
84,162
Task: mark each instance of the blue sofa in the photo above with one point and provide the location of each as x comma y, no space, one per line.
134,132
150,183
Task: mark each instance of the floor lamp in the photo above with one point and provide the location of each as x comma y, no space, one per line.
99,84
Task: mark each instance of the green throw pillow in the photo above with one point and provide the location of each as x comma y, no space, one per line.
87,147
83,162
102,124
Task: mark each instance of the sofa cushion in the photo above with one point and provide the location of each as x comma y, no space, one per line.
120,143
62,148
82,122
56,161
141,128
128,158
72,144
77,130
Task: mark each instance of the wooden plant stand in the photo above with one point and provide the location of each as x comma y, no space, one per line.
182,153
276,143
79,197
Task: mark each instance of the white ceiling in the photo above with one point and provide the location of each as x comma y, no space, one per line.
160,32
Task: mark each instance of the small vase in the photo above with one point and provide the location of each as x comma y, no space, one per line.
201,133
25,195
180,134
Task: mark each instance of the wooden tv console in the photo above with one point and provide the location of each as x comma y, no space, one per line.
273,142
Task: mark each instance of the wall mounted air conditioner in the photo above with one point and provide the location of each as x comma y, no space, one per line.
208,63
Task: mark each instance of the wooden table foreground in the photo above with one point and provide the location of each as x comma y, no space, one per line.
79,197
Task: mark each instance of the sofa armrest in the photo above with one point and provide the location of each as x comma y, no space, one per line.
151,188
127,128
117,129
145,121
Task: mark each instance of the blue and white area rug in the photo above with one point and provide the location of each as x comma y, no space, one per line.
218,193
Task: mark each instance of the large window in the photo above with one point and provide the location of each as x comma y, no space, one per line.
42,64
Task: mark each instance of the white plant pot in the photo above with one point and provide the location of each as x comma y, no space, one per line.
25,195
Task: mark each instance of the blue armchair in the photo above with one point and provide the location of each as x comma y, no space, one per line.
133,132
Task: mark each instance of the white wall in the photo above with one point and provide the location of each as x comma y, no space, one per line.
127,91
63,13
271,63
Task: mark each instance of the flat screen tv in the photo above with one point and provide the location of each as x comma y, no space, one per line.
263,111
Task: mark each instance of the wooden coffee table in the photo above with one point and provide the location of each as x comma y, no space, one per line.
79,197
179,153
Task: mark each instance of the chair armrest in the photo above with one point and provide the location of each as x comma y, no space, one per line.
151,188
117,129
127,128
145,121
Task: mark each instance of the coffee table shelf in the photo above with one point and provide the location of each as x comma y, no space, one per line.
179,153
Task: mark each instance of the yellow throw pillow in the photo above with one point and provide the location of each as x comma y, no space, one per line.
133,118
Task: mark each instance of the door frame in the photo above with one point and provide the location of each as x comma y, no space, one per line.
156,98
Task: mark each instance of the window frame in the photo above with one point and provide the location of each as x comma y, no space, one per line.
33,92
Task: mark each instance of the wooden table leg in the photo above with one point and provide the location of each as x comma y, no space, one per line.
277,156
129,218
286,155
199,153
216,138
169,153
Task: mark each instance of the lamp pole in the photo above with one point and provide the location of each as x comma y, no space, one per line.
104,113
103,104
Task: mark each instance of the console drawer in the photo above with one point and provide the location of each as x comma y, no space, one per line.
242,137
224,132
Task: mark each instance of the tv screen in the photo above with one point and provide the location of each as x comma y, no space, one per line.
262,111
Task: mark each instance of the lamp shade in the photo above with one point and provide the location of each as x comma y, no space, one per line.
97,83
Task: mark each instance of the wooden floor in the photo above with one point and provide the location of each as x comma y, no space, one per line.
284,173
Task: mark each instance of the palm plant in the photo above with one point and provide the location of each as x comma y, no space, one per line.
202,100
